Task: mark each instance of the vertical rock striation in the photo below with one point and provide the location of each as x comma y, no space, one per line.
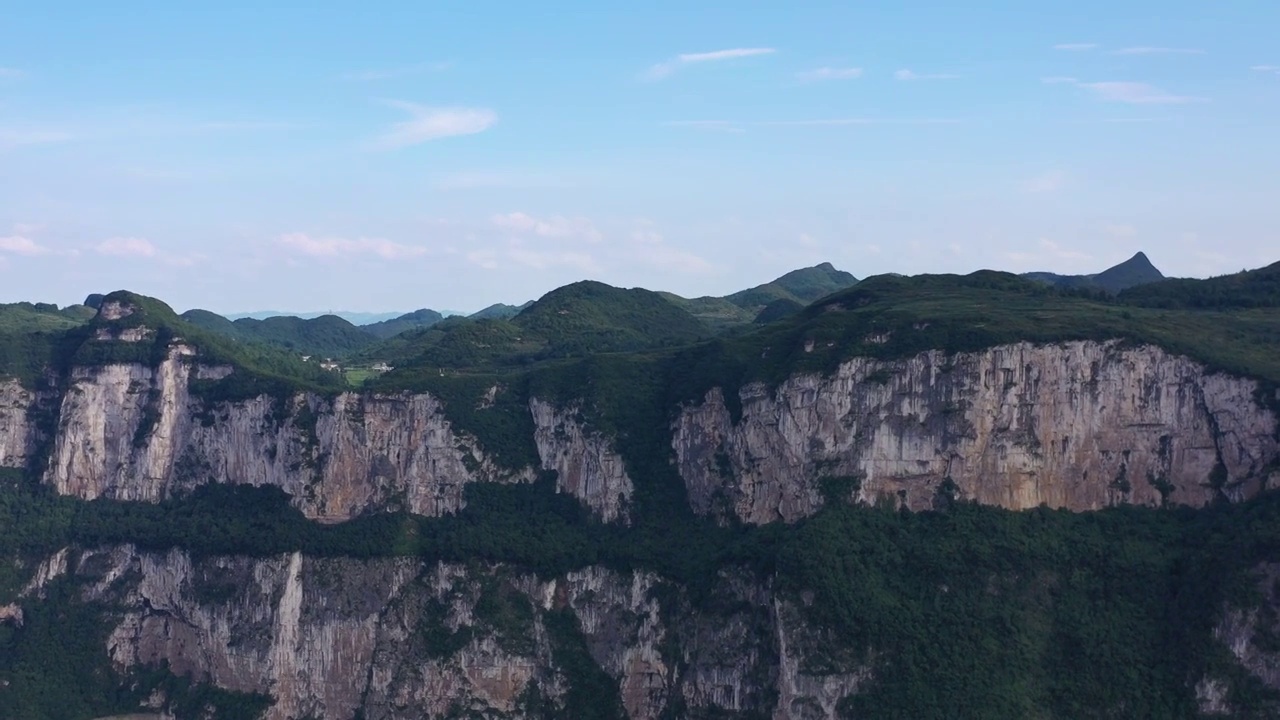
1079,425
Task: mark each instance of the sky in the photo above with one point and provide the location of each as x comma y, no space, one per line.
381,156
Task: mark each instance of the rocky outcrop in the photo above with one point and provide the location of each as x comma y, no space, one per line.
1079,425
132,432
331,638
586,465
16,431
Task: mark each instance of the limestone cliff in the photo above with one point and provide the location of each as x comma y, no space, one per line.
399,638
585,463
15,431
1079,425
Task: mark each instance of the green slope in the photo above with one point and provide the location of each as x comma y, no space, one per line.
573,321
324,336
803,286
416,320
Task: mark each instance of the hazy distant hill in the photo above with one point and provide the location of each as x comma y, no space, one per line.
415,320
803,286
499,311
355,318
326,336
1135,271
572,321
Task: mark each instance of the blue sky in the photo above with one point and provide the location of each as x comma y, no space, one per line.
386,156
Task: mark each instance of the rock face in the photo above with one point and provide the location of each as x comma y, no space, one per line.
1252,635
1079,425
402,639
131,432
16,436
585,463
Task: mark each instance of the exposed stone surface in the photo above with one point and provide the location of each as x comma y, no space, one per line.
131,432
587,467
16,431
1079,425
329,638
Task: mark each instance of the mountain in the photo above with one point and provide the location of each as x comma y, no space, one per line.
939,496
355,318
324,336
416,320
1248,289
499,311
803,286
798,288
24,317
576,320
1133,272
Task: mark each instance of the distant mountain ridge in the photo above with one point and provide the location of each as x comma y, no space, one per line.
1133,272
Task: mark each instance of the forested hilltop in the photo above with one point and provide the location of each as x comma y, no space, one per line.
623,504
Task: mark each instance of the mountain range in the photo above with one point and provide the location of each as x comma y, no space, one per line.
932,496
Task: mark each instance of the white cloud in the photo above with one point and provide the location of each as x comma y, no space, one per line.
20,245
1272,69
650,248
1120,232
710,125
470,180
547,259
663,69
555,226
336,247
430,123
16,137
840,122
905,74
1048,182
1136,93
1049,256
388,73
7,73
1147,50
126,247
1076,47
829,73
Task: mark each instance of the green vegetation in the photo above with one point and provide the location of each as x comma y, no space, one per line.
499,311
324,336
974,612
259,368
803,286
719,314
415,320
25,317
576,320
1249,289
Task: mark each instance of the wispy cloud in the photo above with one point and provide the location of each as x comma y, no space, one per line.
16,137
1049,182
126,247
1076,47
1272,69
8,73
839,122
664,69
338,247
21,245
555,226
477,179
905,74
648,247
1148,50
1135,93
395,72
708,125
829,73
431,123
